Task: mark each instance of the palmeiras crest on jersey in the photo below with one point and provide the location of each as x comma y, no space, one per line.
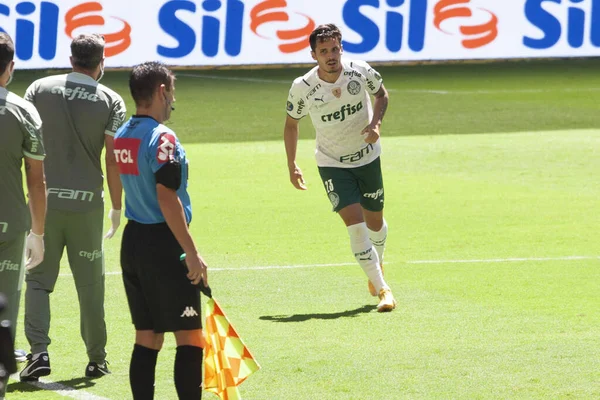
353,87
334,199
337,92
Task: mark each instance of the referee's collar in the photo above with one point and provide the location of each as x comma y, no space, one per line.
144,116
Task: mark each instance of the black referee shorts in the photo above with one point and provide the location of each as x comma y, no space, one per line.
160,296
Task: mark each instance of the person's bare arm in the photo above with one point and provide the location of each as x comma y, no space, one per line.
290,137
36,187
371,132
115,188
172,210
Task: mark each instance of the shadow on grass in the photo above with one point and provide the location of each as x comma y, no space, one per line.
306,317
64,385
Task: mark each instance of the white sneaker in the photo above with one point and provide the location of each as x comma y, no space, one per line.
20,356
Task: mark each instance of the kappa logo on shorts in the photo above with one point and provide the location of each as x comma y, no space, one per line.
189,312
166,148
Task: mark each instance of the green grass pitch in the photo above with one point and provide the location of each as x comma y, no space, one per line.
491,177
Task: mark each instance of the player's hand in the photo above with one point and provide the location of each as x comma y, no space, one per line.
196,268
296,177
371,134
115,221
34,250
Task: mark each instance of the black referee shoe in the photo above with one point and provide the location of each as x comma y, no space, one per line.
95,370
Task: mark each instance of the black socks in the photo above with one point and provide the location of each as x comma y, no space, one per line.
141,372
188,372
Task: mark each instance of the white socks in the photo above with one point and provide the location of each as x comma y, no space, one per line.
378,240
366,254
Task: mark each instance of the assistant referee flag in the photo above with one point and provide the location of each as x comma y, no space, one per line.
227,360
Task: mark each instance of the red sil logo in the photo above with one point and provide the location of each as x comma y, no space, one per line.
270,11
474,36
87,14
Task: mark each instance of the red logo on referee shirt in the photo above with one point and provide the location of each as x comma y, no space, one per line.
126,153
166,148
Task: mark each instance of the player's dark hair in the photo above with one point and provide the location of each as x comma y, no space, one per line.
323,33
146,78
7,51
87,51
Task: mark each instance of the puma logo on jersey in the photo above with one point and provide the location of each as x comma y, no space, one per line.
77,92
345,111
189,312
320,99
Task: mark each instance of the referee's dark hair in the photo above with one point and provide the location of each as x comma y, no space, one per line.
7,51
87,51
146,78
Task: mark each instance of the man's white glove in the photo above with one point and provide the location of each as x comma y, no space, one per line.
34,250
115,220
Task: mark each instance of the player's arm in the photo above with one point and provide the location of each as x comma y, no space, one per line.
371,132
36,187
115,188
290,137
33,151
168,180
36,191
380,106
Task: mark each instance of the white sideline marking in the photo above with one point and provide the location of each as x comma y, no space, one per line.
498,91
504,260
426,91
474,261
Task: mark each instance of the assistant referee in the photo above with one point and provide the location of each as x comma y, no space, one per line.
159,288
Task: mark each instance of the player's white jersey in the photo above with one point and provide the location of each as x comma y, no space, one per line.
339,112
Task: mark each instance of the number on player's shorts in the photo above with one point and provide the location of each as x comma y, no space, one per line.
329,185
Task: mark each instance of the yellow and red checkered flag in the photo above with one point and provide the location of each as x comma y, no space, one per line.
227,360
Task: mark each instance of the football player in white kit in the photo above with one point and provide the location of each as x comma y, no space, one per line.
337,96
